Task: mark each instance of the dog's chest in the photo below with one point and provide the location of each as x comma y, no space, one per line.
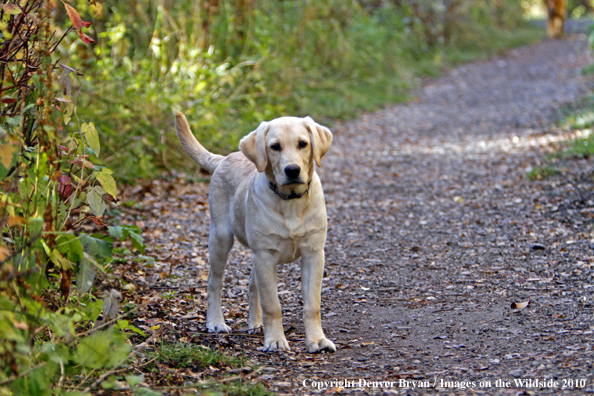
287,228
285,234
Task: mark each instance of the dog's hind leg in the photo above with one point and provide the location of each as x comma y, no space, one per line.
255,321
220,243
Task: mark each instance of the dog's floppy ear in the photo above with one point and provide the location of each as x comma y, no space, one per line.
321,139
253,146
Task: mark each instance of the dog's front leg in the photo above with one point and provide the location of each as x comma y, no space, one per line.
312,271
265,275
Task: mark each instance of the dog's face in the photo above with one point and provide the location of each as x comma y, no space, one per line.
286,148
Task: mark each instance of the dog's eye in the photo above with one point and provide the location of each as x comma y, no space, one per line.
302,144
276,147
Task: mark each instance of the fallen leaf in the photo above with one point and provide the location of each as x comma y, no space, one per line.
520,305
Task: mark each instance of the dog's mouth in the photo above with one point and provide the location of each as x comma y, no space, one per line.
293,183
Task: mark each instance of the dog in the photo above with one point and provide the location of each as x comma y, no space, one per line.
270,198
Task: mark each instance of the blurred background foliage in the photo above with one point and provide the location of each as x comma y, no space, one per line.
229,64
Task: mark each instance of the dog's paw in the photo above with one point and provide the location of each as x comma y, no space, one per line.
323,344
275,345
218,328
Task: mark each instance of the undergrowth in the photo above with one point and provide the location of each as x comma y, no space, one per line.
195,357
578,118
232,64
58,314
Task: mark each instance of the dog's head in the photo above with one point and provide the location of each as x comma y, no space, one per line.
286,148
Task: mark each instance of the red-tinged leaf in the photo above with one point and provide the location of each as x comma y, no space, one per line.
74,16
9,100
85,38
81,163
64,186
86,24
11,9
98,221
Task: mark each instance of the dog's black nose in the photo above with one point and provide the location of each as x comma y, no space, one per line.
292,171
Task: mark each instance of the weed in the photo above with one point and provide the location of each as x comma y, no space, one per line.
581,147
195,356
238,388
542,172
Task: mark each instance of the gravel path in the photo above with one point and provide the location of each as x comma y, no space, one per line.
434,232
438,232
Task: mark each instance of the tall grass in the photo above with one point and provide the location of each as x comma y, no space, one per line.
230,64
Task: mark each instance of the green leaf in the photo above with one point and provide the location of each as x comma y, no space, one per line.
70,246
103,349
95,201
85,276
68,112
97,245
42,165
14,121
122,232
107,182
6,202
137,330
61,261
134,380
35,225
91,136
125,324
92,310
116,232
137,241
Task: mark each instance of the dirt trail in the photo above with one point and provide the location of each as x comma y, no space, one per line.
434,232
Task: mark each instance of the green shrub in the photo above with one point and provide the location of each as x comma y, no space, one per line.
231,64
51,186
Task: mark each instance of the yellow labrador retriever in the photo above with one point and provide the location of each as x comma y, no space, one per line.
270,198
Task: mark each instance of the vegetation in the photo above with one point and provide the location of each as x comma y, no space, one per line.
579,119
87,103
196,357
52,194
231,64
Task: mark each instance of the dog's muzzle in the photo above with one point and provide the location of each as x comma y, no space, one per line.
292,171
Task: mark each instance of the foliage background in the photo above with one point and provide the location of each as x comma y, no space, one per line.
230,64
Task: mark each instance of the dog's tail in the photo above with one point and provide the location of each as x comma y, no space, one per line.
203,157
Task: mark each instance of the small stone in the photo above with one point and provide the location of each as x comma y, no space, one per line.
538,246
516,373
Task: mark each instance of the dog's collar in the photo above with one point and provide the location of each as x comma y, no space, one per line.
287,197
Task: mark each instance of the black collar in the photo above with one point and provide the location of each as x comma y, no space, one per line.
287,197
